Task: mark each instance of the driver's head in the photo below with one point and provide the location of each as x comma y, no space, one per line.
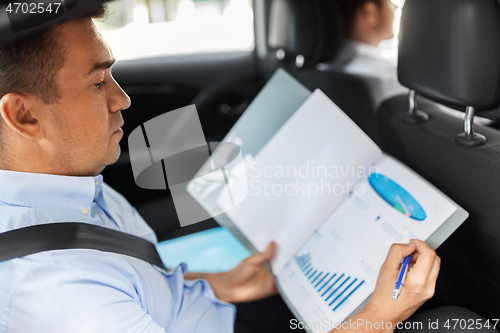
368,21
60,107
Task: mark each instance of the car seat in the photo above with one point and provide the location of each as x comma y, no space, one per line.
449,52
305,33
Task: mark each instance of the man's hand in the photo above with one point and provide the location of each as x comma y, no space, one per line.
249,281
418,287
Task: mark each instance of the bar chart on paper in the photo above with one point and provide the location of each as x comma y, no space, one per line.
327,279
334,288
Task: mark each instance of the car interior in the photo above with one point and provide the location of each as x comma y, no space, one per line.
449,54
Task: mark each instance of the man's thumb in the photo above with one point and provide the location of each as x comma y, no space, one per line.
263,257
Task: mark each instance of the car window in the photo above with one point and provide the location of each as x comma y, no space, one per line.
150,28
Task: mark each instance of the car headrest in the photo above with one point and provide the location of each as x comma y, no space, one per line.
307,32
449,51
25,22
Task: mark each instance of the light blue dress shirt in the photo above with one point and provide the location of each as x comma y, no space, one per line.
75,291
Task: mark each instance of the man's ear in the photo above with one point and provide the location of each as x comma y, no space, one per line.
18,113
370,13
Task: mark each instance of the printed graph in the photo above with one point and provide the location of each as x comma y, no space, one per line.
397,197
334,288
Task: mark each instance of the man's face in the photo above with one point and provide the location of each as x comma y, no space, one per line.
386,21
84,126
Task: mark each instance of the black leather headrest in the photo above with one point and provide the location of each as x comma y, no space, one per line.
311,28
13,27
449,51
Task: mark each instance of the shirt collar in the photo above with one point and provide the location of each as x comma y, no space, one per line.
44,191
363,49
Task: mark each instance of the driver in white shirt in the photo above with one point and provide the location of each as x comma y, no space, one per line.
367,23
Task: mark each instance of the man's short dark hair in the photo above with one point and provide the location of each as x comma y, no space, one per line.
30,64
350,8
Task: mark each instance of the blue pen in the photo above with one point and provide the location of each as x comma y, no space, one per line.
401,278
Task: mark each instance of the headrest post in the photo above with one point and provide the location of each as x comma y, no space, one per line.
469,138
300,61
280,54
469,121
414,116
412,102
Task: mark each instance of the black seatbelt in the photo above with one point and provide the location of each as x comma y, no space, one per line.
75,235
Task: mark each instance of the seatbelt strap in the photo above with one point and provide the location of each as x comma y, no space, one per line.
75,235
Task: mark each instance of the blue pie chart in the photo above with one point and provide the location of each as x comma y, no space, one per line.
397,197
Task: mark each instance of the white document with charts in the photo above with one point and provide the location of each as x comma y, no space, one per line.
334,203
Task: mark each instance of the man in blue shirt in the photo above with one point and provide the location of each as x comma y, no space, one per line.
60,125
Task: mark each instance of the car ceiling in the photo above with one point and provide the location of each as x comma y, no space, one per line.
7,35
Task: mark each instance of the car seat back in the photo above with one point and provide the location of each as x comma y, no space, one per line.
450,52
305,33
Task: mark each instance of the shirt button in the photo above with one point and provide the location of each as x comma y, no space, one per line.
85,210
